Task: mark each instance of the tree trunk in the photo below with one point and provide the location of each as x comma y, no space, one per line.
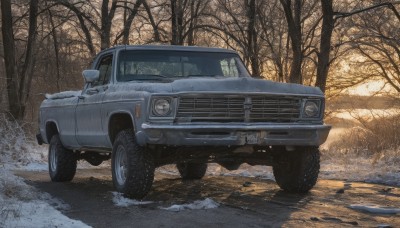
176,22
105,26
252,48
157,37
9,60
56,49
328,25
190,39
293,18
129,20
18,82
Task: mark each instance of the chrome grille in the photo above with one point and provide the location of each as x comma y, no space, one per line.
275,109
236,108
219,109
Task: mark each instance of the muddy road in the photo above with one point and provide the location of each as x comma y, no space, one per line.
244,202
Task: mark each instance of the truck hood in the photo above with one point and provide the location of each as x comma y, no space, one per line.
231,85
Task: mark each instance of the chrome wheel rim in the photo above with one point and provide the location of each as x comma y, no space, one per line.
53,159
120,165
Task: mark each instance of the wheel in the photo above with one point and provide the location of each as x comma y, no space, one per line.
62,162
192,170
132,166
297,171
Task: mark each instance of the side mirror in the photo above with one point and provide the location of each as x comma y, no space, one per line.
91,75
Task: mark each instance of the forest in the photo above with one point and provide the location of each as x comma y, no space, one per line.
350,49
335,45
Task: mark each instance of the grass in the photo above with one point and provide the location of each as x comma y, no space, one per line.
371,143
16,145
370,136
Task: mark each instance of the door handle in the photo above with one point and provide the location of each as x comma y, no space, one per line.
92,91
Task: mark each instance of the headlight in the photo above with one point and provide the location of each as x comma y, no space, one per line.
162,107
311,109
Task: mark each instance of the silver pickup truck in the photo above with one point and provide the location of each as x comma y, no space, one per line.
148,106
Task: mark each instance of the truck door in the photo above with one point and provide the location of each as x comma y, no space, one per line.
89,130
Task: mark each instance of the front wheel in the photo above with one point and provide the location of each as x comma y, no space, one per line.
297,171
192,170
132,166
62,162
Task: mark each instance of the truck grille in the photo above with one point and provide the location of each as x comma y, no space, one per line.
233,108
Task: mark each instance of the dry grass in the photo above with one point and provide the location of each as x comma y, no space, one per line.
375,137
16,145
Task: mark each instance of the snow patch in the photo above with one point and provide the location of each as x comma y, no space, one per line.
121,201
35,167
362,169
376,209
23,206
62,95
196,205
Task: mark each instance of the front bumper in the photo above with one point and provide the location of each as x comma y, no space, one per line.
233,134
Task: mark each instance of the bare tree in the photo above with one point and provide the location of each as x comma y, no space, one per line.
293,17
375,40
99,17
186,19
19,76
330,17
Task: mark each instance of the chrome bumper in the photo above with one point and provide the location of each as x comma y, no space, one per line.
233,134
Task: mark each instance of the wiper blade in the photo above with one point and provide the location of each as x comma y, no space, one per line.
203,75
145,77
156,75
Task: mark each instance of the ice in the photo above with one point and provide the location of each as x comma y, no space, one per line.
35,167
121,201
196,205
376,209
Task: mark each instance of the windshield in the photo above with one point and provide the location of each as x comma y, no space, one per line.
166,65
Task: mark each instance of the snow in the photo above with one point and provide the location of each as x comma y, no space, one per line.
36,167
120,201
196,205
24,206
376,209
62,95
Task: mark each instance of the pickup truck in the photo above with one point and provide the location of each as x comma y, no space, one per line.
148,106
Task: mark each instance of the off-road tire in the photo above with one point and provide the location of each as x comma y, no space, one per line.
138,175
191,171
62,162
297,171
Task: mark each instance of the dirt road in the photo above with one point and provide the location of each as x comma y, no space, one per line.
245,202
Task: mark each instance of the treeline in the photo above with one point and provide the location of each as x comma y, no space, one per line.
351,102
330,44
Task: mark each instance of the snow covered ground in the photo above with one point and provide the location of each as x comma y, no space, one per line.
23,206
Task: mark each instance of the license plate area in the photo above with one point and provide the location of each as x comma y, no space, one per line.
253,138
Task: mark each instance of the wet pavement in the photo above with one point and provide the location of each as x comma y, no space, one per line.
244,202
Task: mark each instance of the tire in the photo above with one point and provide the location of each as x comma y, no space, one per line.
132,166
191,171
297,171
62,162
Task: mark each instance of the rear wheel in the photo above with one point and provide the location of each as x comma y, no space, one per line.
192,170
62,162
132,166
297,171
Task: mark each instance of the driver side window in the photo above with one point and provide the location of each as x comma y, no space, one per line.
105,68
